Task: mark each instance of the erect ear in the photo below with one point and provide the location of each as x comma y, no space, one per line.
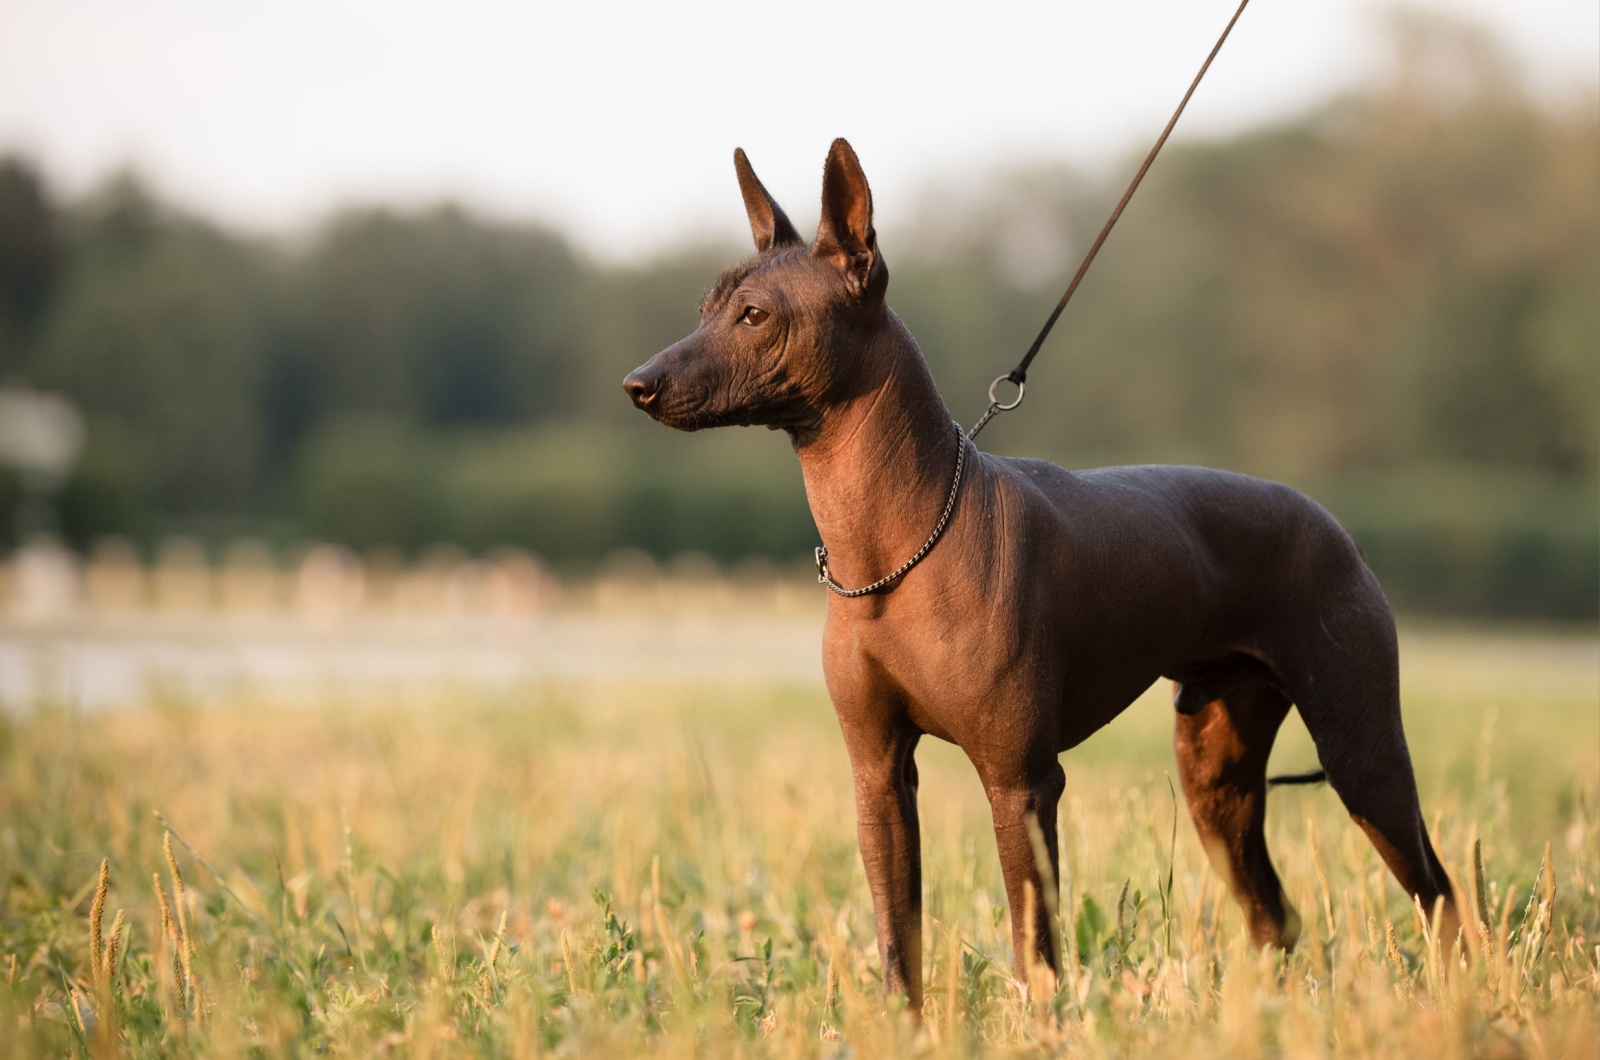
768,223
845,235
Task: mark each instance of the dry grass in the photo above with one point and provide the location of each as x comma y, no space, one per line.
614,869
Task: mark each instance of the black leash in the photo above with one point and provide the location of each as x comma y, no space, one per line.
1019,374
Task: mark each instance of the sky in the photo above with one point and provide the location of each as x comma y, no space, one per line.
616,121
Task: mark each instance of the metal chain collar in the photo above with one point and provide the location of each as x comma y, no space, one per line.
927,546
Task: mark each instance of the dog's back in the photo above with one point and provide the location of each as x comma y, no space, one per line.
1229,547
1128,574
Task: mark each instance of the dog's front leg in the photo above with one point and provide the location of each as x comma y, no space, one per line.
891,849
1017,796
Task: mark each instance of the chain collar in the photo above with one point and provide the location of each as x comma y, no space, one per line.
927,546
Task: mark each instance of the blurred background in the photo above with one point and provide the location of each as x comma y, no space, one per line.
336,298
313,322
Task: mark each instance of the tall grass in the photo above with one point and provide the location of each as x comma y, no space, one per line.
614,869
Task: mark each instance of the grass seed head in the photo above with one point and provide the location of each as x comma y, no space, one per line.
113,945
172,863
446,972
1391,947
97,912
180,903
1482,891
173,934
168,929
499,940
830,998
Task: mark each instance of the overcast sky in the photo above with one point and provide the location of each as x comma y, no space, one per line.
616,121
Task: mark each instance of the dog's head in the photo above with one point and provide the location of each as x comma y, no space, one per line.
782,334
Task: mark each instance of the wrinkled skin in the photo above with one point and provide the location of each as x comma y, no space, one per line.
1053,600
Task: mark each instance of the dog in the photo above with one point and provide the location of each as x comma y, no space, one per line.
1052,600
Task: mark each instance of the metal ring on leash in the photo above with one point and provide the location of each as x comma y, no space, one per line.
1000,406
996,406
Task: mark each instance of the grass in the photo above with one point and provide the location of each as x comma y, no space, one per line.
613,869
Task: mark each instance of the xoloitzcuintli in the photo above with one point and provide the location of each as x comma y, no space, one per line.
1053,599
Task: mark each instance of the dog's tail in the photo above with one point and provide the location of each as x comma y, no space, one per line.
1316,776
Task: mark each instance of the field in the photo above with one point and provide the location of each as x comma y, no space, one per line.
591,867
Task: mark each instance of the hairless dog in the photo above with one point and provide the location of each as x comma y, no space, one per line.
1053,599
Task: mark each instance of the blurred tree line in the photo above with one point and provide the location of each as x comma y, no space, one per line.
1390,302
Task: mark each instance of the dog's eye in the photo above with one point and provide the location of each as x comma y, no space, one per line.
753,315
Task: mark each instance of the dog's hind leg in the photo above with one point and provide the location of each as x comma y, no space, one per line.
1222,762
1348,694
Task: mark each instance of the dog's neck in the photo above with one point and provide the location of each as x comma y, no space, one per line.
878,469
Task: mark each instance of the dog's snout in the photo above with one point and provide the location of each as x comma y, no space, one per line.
643,386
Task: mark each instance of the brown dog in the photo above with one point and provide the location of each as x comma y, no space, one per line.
1053,599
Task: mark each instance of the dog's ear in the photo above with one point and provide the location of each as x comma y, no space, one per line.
845,236
768,223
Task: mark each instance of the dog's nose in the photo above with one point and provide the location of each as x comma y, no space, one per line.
643,386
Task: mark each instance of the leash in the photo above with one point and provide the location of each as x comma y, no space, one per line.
1019,374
